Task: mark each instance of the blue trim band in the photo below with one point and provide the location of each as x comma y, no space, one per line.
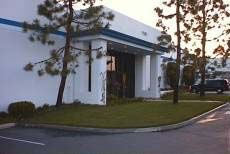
10,22
131,39
106,32
19,24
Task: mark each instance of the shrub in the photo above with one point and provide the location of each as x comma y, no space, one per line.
188,77
44,108
22,109
3,115
76,101
171,74
39,109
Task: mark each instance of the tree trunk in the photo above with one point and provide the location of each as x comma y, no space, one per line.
61,91
66,53
178,60
203,42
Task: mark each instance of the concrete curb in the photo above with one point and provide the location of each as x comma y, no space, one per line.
167,100
181,124
7,125
125,130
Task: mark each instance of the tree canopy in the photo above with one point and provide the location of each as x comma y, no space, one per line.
60,15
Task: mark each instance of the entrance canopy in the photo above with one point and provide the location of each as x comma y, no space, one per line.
122,42
127,33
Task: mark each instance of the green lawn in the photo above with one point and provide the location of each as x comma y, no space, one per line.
6,120
127,115
193,96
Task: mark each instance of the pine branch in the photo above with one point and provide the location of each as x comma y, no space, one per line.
96,49
59,52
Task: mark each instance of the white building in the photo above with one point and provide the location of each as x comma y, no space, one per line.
131,63
215,69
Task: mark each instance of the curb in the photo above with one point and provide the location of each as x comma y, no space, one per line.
181,124
167,100
125,130
7,125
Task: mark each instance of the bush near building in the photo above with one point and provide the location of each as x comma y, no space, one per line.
22,109
171,74
188,77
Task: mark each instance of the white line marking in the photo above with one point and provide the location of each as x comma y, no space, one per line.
212,115
229,140
228,112
20,140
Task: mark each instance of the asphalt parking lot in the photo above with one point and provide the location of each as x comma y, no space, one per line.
210,135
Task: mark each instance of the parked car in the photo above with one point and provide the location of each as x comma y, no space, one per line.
218,85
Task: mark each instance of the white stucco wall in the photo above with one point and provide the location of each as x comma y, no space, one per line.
25,10
97,95
22,10
16,84
17,50
132,27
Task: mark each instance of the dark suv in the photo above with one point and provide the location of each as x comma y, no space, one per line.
218,85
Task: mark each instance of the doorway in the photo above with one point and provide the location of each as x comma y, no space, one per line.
121,74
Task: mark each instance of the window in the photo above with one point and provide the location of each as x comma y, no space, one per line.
111,63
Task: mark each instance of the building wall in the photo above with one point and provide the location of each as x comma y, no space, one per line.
132,27
17,50
25,10
97,95
22,10
17,84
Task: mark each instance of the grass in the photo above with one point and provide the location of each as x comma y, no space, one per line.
193,96
127,115
6,120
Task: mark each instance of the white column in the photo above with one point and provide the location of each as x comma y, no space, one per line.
154,75
139,75
147,78
98,78
80,79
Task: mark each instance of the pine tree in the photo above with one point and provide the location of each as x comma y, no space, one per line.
208,15
60,15
223,52
165,38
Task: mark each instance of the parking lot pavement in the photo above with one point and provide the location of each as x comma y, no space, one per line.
210,135
213,92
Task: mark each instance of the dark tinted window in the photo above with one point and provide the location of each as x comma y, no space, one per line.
215,82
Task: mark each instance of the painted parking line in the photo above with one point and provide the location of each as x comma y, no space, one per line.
228,141
20,140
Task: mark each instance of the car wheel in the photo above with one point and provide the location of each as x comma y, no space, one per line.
219,91
193,90
197,91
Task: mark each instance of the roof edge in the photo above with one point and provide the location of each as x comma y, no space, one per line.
106,32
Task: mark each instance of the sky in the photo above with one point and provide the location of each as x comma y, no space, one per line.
143,11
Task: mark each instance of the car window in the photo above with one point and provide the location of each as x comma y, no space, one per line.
215,83
208,82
